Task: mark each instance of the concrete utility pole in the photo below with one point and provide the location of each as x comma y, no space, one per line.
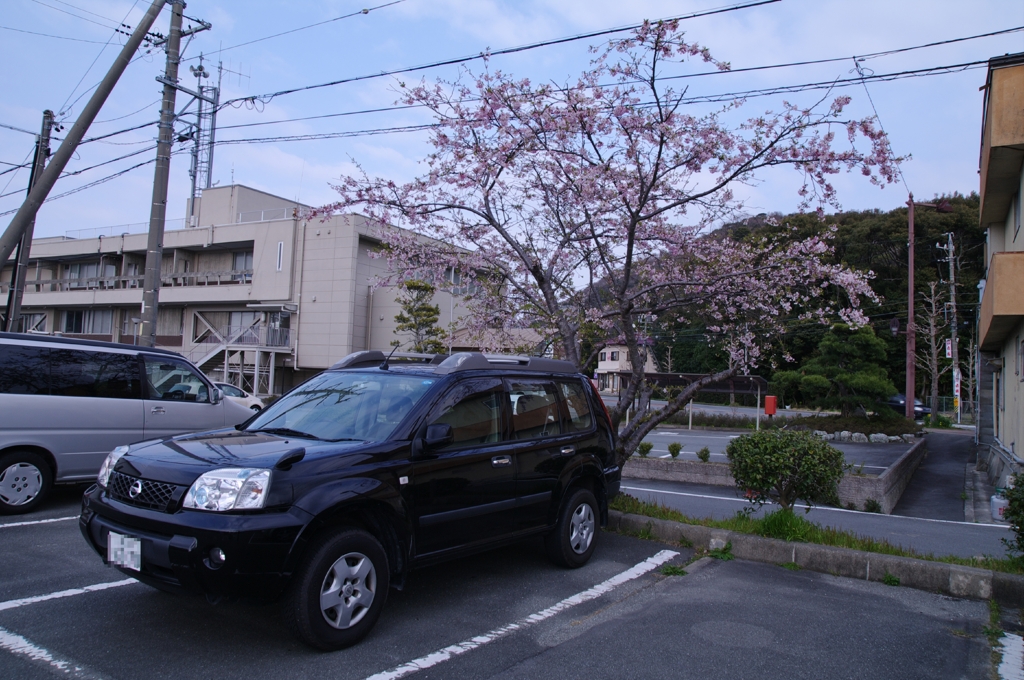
49,177
21,264
951,254
158,211
911,382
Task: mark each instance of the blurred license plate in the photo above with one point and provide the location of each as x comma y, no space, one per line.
124,551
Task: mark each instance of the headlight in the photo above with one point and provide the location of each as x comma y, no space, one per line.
229,489
108,465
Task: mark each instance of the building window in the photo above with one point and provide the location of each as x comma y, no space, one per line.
35,322
1016,215
241,265
603,355
615,356
280,255
88,321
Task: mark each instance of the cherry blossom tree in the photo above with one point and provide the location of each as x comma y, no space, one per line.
579,210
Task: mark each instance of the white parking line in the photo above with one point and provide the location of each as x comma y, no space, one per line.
600,589
816,507
16,644
1012,665
37,521
14,604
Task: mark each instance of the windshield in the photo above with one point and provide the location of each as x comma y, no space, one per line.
345,406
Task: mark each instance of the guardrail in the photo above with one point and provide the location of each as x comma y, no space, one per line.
119,229
217,278
263,215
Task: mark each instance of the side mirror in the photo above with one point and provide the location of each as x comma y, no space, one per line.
438,434
216,395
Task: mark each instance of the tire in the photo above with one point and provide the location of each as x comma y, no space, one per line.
572,542
256,408
339,590
25,482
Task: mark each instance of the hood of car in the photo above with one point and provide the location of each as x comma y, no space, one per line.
181,459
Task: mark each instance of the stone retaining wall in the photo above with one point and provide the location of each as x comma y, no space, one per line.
886,488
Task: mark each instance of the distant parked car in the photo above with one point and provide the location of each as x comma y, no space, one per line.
898,403
241,396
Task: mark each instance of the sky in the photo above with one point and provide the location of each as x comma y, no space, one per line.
934,120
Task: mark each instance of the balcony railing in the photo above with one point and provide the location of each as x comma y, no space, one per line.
117,230
256,336
263,215
218,278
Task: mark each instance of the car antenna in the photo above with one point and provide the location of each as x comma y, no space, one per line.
384,366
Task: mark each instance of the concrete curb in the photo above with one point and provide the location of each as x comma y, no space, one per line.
938,577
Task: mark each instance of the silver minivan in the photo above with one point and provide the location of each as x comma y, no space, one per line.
64,404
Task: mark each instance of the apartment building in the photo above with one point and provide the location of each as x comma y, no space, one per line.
1001,321
252,292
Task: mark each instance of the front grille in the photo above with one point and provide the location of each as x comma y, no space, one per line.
154,495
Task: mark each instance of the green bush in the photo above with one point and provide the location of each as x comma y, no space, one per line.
938,420
785,525
1014,514
871,505
674,449
704,454
784,466
644,449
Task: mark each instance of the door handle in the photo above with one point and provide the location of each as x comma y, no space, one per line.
501,461
158,410
568,450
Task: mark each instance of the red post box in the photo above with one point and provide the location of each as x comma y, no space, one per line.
769,405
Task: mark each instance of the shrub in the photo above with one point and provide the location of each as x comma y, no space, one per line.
890,579
1014,514
871,505
785,525
938,420
704,454
674,449
644,449
784,466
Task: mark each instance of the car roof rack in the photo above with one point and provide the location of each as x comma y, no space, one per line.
375,357
476,361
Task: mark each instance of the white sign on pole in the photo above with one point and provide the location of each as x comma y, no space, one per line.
949,348
956,382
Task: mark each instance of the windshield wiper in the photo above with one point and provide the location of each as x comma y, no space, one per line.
287,432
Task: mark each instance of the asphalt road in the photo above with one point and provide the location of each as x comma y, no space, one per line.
503,614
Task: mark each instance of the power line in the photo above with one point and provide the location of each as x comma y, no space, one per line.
127,115
691,75
265,98
302,28
731,96
47,35
18,129
77,16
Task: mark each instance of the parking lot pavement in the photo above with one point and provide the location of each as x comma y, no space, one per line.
507,613
874,458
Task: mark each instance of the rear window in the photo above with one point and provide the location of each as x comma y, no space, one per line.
24,370
575,398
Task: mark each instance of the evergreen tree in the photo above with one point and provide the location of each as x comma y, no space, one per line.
847,372
419,317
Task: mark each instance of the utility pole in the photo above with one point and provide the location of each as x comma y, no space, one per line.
21,263
158,211
951,258
911,339
12,236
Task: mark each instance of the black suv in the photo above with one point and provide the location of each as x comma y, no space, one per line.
376,466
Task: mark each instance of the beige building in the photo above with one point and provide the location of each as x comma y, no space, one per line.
253,292
612,361
1001,321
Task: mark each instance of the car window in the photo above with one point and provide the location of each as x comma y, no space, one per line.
24,370
576,403
337,405
170,380
534,409
77,373
473,409
231,390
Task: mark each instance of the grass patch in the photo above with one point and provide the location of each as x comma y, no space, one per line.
792,566
891,579
724,554
994,630
890,424
807,532
673,570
